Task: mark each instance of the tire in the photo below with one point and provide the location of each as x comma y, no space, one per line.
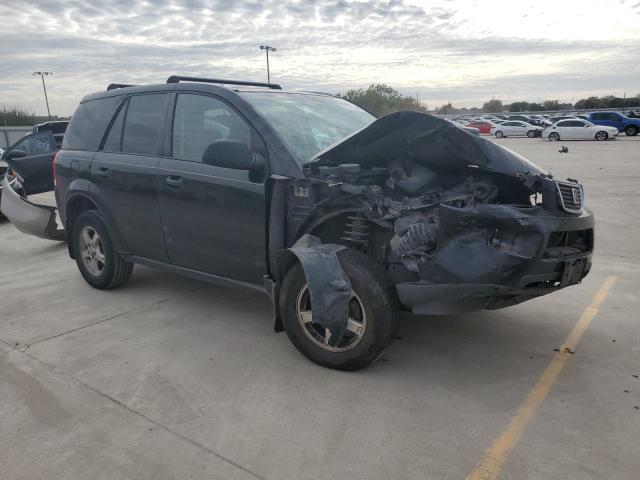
531,133
554,136
110,272
602,136
373,293
631,131
499,134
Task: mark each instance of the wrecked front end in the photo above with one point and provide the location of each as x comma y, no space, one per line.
458,222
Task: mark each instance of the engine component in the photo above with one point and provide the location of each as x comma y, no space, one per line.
357,230
412,178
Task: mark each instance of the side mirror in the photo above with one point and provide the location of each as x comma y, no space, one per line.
228,154
17,153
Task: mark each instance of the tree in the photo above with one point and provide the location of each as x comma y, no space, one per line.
519,107
551,105
381,99
446,109
493,106
18,116
591,102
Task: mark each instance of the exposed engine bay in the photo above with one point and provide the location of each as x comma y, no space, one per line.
454,228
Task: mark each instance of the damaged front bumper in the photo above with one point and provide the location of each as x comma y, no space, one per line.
28,217
497,255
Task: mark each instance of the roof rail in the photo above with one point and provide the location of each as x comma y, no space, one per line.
113,86
179,78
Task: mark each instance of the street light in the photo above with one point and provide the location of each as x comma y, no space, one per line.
267,48
44,87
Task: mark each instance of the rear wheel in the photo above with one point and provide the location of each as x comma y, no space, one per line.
631,131
373,315
601,136
499,134
97,259
554,137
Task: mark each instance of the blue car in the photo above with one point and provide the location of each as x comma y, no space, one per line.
630,126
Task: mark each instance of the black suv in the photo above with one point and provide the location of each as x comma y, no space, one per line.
342,218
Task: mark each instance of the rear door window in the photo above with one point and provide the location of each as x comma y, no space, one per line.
143,124
113,143
89,123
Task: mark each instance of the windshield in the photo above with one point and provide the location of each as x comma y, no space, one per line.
308,123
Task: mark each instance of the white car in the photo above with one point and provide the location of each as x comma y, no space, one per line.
516,128
577,129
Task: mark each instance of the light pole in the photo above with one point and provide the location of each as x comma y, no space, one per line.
267,48
44,87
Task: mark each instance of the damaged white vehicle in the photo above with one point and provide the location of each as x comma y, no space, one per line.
343,219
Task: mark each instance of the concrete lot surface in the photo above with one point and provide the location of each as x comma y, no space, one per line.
169,378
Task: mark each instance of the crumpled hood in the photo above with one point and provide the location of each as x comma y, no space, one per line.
426,139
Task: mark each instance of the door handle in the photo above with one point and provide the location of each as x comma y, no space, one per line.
175,181
103,172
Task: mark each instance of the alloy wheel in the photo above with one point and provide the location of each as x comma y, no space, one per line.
92,251
356,324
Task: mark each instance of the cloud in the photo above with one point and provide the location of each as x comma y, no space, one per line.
443,50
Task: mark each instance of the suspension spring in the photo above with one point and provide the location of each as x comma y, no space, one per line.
356,230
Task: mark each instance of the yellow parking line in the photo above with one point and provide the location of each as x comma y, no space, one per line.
490,465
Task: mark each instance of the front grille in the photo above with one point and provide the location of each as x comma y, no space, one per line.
570,196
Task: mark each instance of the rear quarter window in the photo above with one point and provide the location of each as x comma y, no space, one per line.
89,122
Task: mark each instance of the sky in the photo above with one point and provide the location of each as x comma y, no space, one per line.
464,52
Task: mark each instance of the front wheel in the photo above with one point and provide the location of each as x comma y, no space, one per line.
372,317
554,137
96,256
602,136
631,131
531,133
499,134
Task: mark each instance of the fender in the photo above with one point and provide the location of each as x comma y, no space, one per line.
329,286
81,188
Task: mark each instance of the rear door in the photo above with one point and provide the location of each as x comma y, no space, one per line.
31,157
213,217
616,120
124,173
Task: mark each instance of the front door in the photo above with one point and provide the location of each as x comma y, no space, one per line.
213,217
31,157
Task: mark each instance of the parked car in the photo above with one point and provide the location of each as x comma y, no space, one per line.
514,128
482,125
560,117
57,128
630,126
524,118
475,131
342,218
34,154
577,129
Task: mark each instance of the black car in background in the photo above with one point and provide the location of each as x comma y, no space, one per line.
34,154
342,218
